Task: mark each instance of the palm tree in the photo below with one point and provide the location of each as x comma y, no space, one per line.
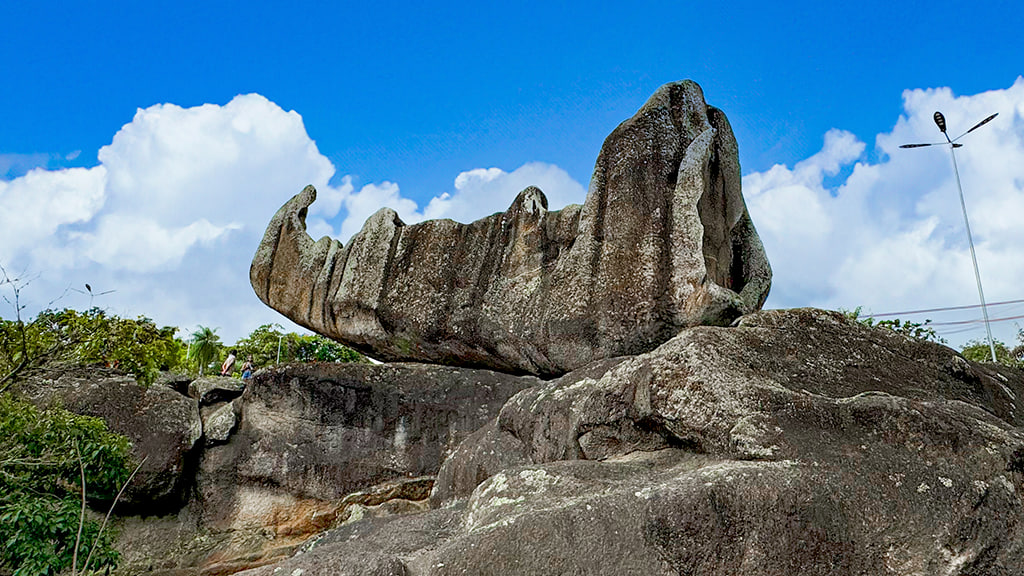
205,347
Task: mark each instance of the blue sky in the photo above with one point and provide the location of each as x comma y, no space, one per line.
401,99
415,92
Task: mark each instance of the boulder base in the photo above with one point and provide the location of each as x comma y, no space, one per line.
309,446
798,442
163,426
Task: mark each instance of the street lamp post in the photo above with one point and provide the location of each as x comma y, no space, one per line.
940,121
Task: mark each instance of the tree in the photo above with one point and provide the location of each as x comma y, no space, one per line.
135,346
262,344
266,342
92,337
205,348
316,348
17,354
51,462
979,351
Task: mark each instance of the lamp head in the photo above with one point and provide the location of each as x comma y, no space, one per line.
940,121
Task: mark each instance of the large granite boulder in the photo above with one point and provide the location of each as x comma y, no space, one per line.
325,430
308,446
663,241
163,426
797,442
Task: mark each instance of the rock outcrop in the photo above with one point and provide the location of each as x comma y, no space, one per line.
219,421
210,390
326,430
163,426
663,241
309,446
790,442
796,442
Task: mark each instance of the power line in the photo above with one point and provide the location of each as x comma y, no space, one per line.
954,331
908,312
975,321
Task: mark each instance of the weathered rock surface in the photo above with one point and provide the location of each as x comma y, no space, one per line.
214,389
316,445
796,442
219,421
163,426
326,430
392,498
663,241
372,546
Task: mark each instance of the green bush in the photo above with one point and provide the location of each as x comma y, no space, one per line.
979,351
316,348
974,350
916,330
41,452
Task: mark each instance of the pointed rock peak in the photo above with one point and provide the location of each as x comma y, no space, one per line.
683,90
298,207
531,200
684,103
384,216
308,194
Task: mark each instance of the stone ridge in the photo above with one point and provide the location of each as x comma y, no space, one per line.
796,442
662,242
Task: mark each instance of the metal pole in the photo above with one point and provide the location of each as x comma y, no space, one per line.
974,258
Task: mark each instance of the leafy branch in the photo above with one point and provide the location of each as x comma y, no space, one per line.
53,461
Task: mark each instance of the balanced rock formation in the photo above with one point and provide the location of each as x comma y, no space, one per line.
797,442
662,242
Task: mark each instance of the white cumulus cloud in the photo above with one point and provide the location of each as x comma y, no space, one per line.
477,193
890,235
485,191
171,216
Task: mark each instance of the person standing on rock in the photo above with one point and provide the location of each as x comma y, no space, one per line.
247,368
229,364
